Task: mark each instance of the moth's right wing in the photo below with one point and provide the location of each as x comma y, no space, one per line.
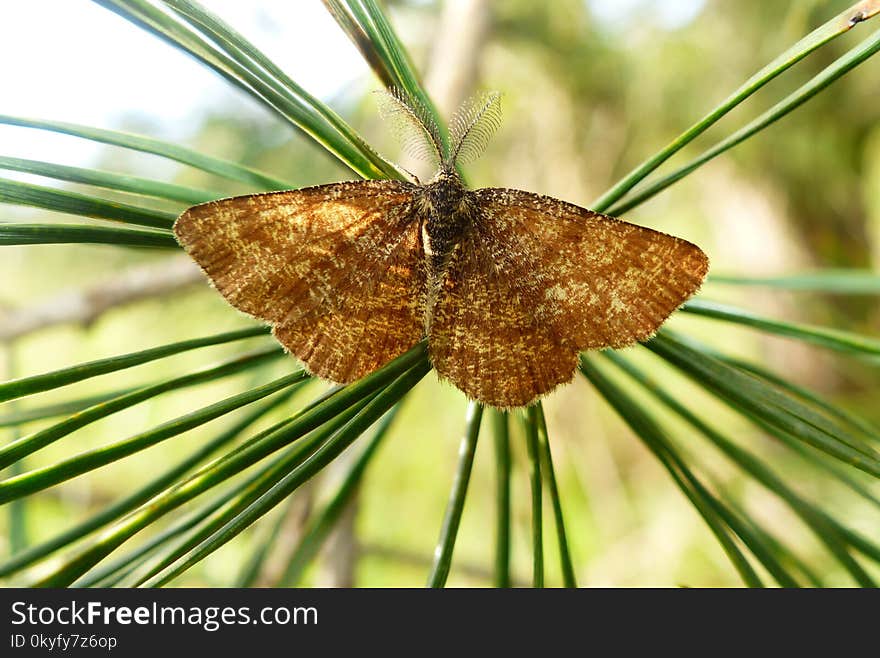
337,269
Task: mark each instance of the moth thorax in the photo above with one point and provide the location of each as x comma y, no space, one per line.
446,195
446,223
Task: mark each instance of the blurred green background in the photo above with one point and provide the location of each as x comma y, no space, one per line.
590,89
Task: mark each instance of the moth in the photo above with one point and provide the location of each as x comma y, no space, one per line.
508,286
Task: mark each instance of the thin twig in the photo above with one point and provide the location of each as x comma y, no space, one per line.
85,306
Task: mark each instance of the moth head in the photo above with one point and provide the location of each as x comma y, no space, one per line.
470,128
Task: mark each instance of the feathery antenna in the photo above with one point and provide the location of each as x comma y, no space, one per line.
472,126
412,124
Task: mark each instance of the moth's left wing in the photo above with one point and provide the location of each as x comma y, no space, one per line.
537,280
486,339
336,269
600,281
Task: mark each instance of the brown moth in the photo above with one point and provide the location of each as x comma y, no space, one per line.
507,286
